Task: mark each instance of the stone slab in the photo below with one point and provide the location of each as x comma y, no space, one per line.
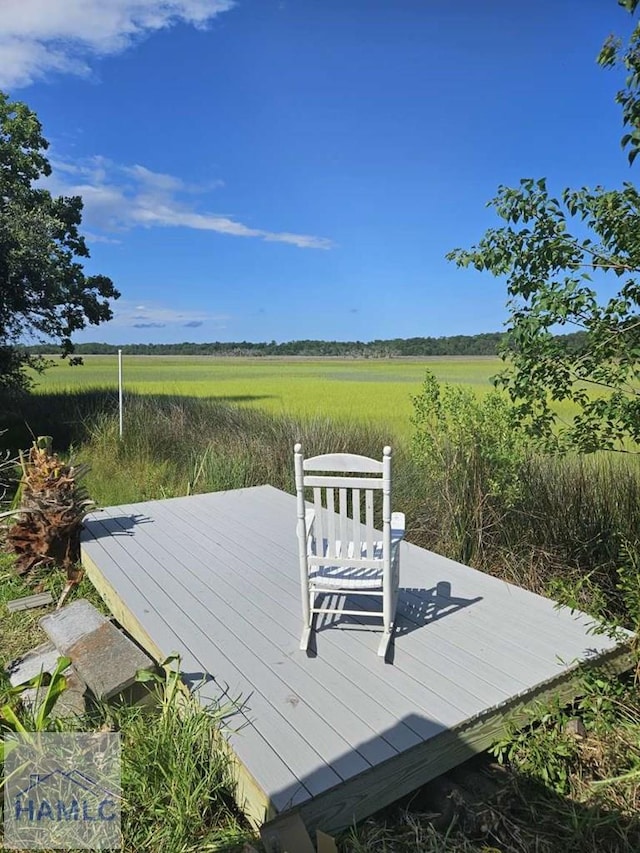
66,626
41,659
72,701
44,658
108,661
103,656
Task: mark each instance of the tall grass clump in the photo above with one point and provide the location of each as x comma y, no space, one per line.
178,445
578,519
176,777
64,416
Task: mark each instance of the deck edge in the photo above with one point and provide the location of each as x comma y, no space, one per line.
249,796
361,796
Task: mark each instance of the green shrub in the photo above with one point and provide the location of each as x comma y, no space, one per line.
471,452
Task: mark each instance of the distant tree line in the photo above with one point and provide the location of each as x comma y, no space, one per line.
469,345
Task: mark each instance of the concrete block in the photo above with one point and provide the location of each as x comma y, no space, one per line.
104,657
72,702
575,727
66,626
108,660
44,659
41,659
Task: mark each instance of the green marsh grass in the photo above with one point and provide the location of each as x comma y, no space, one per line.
377,390
176,445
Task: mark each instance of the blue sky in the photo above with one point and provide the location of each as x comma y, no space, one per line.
282,169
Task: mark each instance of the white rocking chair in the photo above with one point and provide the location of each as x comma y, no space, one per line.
339,553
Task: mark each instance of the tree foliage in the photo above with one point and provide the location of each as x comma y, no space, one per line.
44,293
571,261
463,345
613,54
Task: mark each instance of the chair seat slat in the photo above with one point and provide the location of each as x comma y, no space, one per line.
345,581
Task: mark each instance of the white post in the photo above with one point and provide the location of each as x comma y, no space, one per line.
307,615
120,388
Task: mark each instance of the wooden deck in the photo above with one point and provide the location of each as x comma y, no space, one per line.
336,734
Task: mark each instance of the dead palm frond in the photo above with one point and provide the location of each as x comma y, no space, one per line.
52,505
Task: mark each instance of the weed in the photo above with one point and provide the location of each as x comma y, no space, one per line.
175,766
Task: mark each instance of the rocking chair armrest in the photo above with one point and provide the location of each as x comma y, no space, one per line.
397,527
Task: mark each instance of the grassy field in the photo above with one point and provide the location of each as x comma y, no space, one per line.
378,390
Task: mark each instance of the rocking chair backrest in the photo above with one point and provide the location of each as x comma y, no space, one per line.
352,480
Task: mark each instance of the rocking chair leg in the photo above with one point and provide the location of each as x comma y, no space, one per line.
306,635
308,617
384,642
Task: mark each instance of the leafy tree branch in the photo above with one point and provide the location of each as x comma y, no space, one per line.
572,260
44,293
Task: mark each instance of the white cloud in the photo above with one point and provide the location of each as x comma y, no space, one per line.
90,237
38,37
156,316
118,198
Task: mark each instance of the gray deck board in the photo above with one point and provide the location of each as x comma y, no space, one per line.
333,732
274,638
462,698
215,578
194,626
537,648
423,671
